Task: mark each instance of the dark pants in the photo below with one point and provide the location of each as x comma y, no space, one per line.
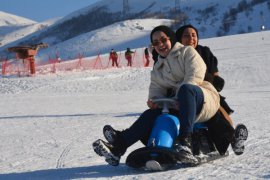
190,98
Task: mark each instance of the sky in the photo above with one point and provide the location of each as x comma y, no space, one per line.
39,10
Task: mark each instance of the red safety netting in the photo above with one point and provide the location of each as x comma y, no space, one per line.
53,65
16,67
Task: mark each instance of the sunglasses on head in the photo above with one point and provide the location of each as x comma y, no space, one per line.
162,40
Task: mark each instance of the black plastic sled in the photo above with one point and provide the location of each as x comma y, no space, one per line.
162,159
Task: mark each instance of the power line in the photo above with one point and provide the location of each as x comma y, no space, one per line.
125,8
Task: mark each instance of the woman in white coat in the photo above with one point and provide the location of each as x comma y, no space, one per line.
182,69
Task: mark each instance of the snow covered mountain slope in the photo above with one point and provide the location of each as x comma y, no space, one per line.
48,122
13,28
16,33
118,36
7,19
211,17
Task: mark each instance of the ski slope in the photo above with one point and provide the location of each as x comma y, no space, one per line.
48,122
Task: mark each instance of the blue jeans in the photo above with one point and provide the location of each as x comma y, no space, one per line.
190,98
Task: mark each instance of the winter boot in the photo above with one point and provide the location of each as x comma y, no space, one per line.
105,149
240,136
110,134
184,150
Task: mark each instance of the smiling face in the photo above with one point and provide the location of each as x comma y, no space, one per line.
161,43
189,37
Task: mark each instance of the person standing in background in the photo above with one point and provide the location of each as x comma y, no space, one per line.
114,57
146,55
128,56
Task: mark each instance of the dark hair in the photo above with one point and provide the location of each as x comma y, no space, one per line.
168,31
180,31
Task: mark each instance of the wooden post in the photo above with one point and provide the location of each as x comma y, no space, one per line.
32,65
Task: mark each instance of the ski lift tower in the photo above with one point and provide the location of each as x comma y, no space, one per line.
28,53
176,13
177,5
262,26
125,9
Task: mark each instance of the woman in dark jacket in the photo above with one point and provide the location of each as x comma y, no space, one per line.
188,35
221,127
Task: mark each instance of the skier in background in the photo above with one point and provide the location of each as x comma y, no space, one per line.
146,55
128,56
114,57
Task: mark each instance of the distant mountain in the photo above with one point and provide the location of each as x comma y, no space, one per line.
13,28
7,19
211,17
10,23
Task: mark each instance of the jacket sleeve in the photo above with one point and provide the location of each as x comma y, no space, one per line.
213,62
156,90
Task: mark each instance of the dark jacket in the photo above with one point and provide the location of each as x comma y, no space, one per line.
211,64
128,54
219,129
209,59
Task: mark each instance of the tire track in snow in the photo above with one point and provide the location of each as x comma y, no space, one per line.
65,152
61,160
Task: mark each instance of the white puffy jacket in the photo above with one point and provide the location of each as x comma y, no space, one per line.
183,65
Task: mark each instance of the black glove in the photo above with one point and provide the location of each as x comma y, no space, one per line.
225,105
218,83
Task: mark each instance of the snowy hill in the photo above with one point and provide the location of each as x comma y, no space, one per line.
10,23
7,19
130,33
212,18
48,122
16,33
13,28
119,36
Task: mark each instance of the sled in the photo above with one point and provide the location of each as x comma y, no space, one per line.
162,159
159,154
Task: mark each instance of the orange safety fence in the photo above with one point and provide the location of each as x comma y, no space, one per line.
16,67
53,65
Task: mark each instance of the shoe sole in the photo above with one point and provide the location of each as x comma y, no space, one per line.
102,150
107,132
241,135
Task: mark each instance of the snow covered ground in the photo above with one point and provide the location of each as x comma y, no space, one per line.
48,122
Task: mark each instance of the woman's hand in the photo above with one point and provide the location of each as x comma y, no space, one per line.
151,104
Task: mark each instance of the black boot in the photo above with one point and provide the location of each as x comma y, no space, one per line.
184,150
240,136
115,138
110,134
113,149
107,150
185,143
